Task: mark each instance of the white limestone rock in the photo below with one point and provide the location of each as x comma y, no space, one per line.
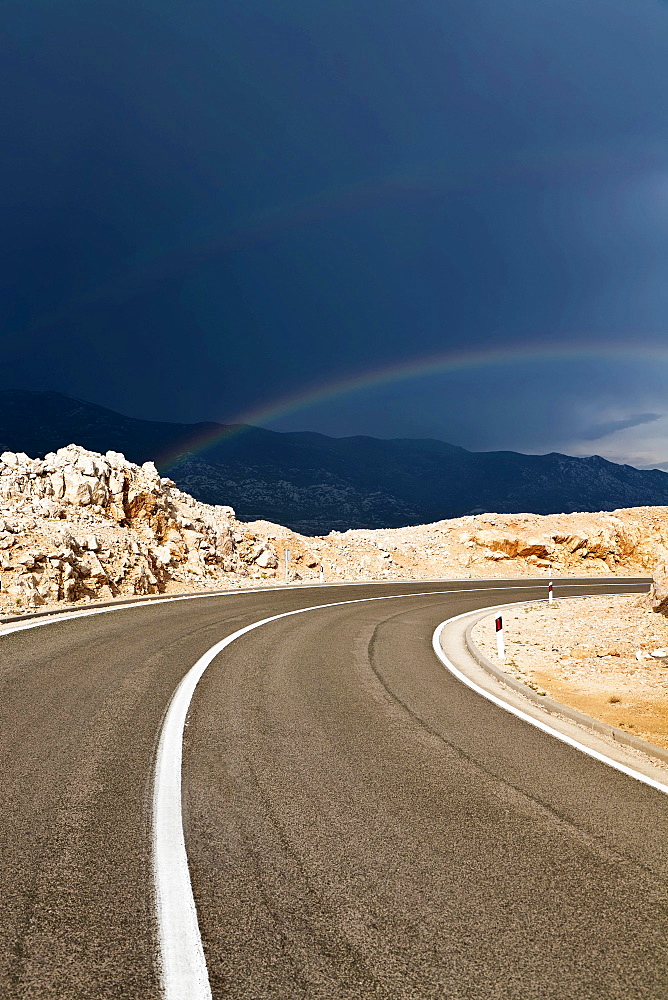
267,558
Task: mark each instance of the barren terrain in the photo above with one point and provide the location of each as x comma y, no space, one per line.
78,526
593,654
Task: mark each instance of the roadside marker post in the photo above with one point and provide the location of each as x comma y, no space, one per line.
322,574
550,596
500,646
288,556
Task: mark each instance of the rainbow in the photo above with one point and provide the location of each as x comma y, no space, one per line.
440,364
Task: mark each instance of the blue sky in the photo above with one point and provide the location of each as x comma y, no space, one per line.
208,206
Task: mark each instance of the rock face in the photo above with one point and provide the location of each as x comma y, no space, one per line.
77,525
657,599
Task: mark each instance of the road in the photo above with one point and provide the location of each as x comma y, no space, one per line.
359,824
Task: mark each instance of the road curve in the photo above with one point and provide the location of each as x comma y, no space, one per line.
359,824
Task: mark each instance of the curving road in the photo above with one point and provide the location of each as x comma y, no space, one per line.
359,824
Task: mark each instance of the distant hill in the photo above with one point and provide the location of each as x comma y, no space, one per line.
314,484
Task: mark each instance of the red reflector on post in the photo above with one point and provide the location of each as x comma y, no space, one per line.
498,623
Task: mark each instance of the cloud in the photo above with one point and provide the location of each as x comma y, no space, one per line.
597,431
662,466
636,443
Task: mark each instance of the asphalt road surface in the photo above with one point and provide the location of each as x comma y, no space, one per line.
359,824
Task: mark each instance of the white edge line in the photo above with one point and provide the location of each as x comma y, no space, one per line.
183,964
68,616
543,726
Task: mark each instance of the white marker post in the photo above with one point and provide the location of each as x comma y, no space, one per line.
288,556
322,574
500,647
549,592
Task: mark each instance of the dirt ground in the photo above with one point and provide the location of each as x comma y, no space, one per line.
593,654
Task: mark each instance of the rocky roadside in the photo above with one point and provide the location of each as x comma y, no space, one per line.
592,654
77,526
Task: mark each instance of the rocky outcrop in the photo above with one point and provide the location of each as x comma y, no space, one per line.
76,526
657,599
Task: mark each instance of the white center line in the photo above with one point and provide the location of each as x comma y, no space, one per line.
183,964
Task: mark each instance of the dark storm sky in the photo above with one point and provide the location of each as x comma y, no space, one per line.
211,205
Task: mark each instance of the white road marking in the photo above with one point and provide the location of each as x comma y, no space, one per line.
183,964
67,616
543,726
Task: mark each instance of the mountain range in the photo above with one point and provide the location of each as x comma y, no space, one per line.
314,484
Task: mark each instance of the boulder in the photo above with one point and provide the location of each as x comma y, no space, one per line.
657,599
266,559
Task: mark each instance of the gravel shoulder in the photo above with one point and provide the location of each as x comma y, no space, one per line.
585,654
